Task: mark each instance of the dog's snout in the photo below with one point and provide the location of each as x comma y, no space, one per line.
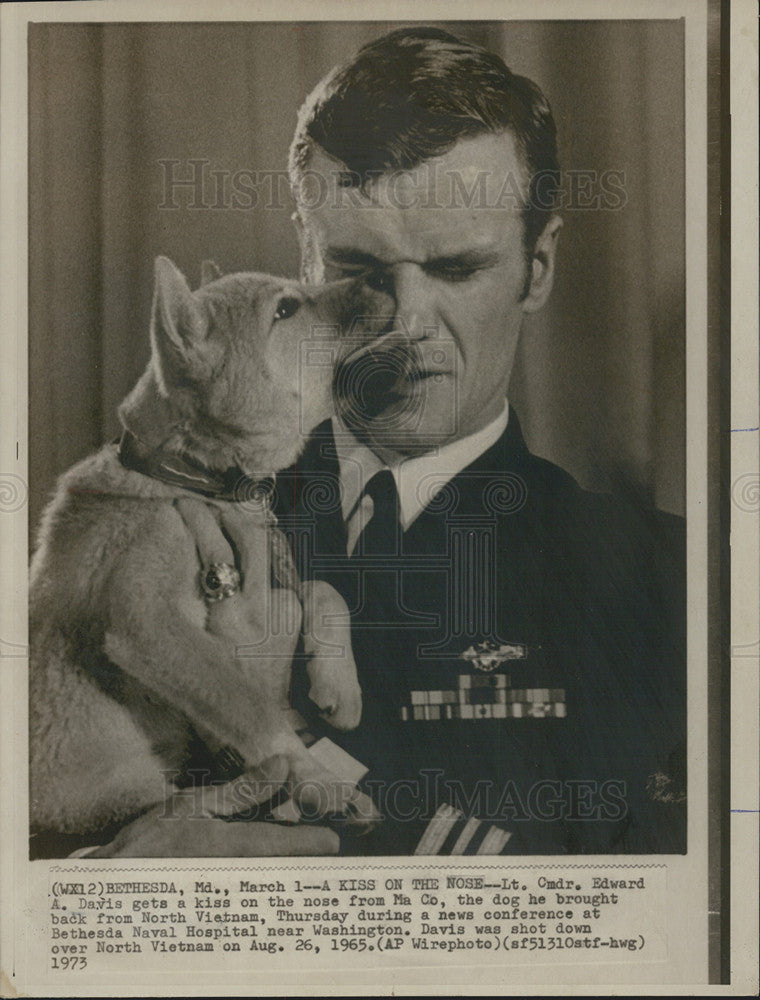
354,306
380,298
371,303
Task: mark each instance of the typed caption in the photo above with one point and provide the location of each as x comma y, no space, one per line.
120,919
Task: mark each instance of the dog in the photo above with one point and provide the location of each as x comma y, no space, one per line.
133,664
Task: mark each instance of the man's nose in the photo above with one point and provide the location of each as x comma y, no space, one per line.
415,312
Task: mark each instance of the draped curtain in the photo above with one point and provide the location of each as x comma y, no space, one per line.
119,113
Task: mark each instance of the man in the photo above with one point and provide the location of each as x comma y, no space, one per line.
519,642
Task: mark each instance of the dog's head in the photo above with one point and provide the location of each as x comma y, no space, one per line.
242,369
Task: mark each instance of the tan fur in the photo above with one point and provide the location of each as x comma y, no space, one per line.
127,655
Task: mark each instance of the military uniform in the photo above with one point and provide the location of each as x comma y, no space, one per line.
521,656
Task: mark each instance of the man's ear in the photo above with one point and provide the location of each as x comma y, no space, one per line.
210,271
178,325
542,266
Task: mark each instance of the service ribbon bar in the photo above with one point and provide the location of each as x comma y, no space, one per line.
484,697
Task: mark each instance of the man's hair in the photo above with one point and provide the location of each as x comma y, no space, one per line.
411,95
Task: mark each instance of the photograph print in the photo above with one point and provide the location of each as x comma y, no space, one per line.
357,439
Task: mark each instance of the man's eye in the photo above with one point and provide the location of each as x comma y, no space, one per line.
287,307
375,278
338,272
454,273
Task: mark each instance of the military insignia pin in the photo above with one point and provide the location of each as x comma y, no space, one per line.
487,656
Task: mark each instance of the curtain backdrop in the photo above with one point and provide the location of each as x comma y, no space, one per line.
599,381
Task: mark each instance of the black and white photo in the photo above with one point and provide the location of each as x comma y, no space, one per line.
372,486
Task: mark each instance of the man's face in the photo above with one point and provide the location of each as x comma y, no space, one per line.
445,241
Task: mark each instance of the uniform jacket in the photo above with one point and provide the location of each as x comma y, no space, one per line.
521,656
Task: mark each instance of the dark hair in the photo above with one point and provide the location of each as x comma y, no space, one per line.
411,95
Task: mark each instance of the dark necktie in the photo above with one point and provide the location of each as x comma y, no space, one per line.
382,535
375,634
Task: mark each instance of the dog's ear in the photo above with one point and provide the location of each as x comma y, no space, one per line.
210,271
177,317
178,325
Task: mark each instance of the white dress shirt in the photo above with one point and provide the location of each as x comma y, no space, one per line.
418,479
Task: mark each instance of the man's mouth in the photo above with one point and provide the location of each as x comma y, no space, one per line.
387,377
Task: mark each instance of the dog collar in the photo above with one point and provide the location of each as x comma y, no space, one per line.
180,470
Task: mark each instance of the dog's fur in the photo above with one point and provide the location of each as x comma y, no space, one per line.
129,663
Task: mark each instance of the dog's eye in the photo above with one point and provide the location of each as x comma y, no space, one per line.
287,307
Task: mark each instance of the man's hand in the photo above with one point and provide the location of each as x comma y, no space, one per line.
187,824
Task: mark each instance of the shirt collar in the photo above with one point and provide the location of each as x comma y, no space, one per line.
418,479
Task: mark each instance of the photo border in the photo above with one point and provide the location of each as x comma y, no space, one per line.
720,345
